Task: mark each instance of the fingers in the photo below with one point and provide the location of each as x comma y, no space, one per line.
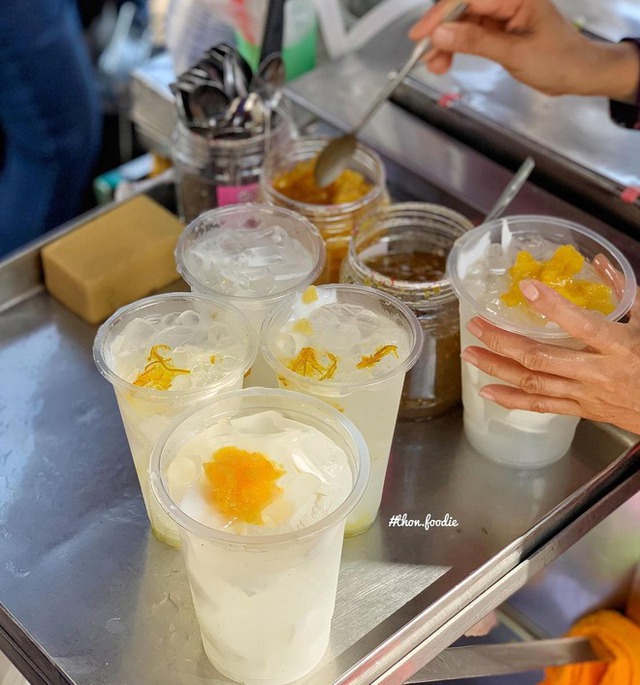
514,398
427,23
535,356
589,327
634,312
474,39
606,269
438,62
617,281
501,10
532,382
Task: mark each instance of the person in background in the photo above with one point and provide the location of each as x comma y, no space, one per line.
50,118
538,46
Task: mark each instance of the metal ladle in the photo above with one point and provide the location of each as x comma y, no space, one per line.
335,157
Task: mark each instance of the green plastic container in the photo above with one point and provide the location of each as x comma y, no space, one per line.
300,41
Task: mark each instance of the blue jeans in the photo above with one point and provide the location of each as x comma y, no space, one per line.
51,116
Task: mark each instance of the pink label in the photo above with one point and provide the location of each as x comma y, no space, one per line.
231,195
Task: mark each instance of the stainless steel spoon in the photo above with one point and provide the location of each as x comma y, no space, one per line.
269,80
511,190
207,104
335,157
247,113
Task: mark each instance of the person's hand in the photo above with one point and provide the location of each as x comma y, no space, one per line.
536,44
599,382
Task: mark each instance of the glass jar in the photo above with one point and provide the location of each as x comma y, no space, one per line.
402,249
213,172
335,222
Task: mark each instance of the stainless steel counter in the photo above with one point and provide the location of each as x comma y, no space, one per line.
89,597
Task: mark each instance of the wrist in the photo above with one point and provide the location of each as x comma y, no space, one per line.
612,70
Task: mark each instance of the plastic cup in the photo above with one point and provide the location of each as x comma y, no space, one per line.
254,289
370,401
336,222
519,438
146,411
263,602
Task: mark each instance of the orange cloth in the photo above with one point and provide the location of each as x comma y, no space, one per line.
620,636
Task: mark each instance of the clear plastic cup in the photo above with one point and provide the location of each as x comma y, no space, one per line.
369,398
335,222
218,254
264,602
518,438
146,411
402,250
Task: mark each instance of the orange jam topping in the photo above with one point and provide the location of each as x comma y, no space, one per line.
310,295
370,360
558,272
158,373
307,364
299,184
303,326
242,484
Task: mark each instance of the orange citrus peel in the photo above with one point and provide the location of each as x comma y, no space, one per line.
241,484
307,364
158,373
558,273
367,361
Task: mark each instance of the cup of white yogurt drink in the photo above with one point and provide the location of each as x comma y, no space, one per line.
350,346
163,355
484,267
260,482
252,256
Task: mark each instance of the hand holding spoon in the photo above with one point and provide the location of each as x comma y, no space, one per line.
333,160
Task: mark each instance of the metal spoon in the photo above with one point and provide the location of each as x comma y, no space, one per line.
269,80
333,160
246,113
229,77
207,105
511,190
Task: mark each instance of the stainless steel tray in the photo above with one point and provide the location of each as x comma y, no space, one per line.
89,597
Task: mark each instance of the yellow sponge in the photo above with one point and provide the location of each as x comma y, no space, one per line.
122,255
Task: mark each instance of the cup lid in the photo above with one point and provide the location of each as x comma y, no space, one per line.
472,246
282,313
297,406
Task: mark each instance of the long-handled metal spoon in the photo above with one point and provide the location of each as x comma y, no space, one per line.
333,160
511,190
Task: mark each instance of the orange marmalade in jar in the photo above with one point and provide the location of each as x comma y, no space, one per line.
402,249
287,181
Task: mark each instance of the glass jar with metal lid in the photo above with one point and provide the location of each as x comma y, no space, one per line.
335,220
402,249
216,171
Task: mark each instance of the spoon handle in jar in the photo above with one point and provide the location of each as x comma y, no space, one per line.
511,190
397,77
